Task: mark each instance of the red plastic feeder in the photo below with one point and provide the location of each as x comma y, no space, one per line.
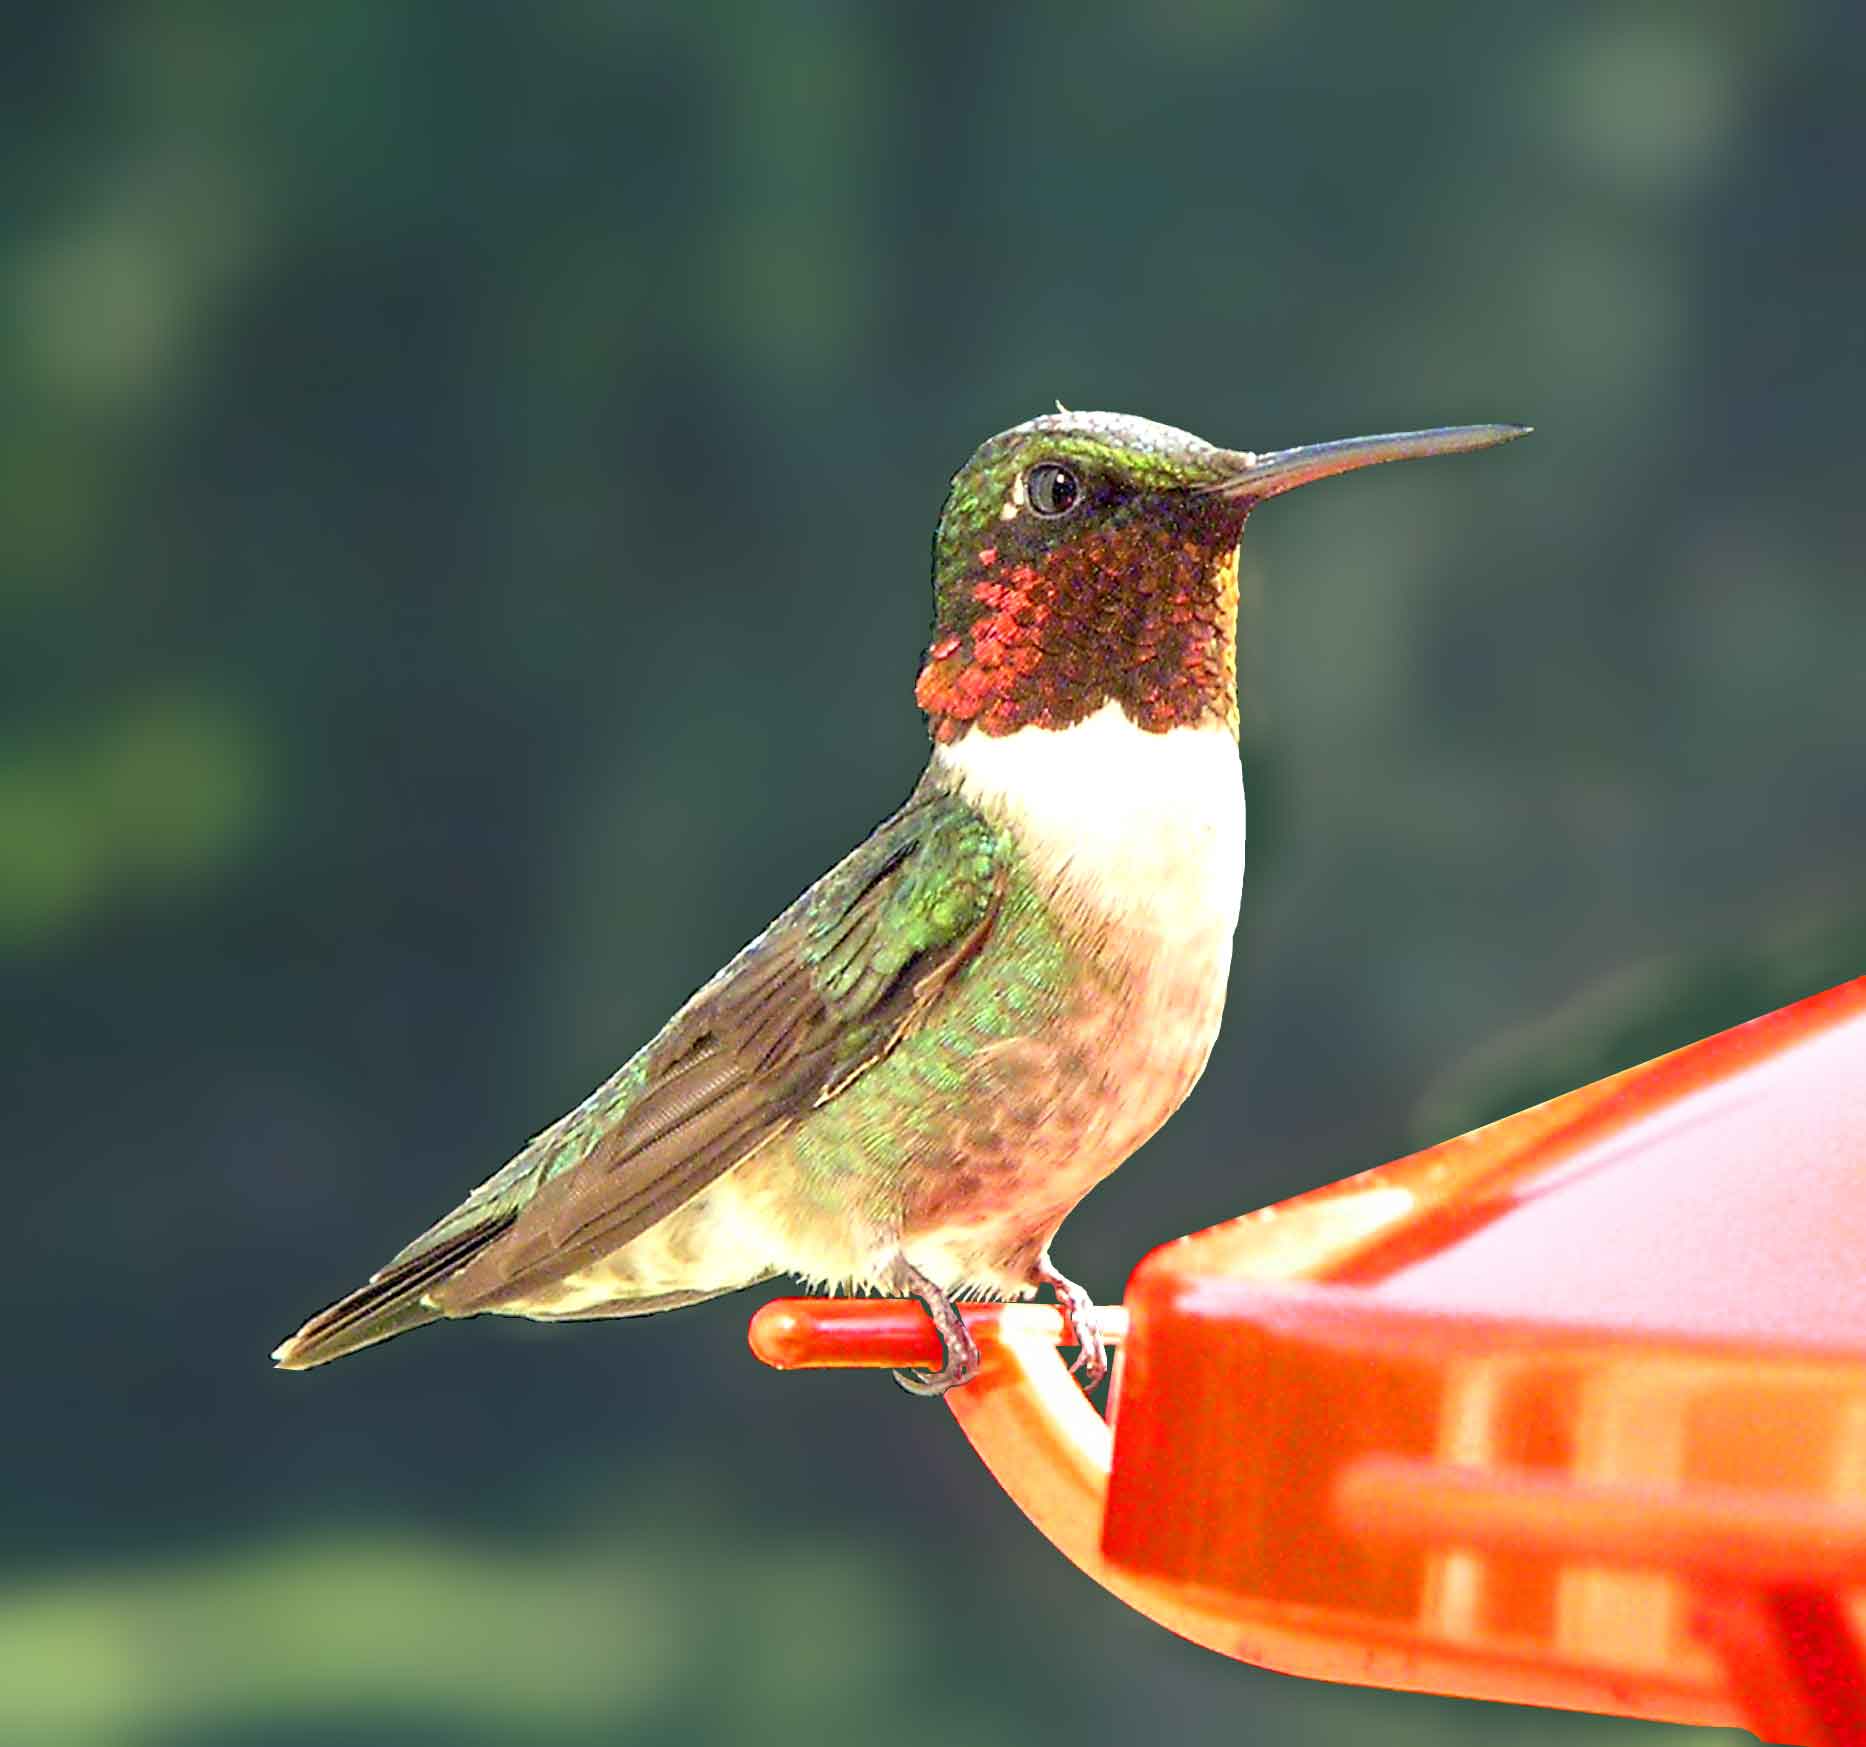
1569,1411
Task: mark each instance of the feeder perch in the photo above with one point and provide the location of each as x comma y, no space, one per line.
1568,1411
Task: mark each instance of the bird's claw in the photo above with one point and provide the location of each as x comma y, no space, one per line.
1080,1326
959,1368
960,1360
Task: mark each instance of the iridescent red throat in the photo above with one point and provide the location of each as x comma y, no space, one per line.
1143,612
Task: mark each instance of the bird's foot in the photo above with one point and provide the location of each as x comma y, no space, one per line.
961,1351
1079,1324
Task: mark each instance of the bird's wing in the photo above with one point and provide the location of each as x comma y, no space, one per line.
824,993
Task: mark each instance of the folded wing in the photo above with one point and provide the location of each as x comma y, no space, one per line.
826,991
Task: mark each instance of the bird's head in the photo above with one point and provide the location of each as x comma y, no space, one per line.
1089,557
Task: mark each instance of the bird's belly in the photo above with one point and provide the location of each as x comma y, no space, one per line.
719,1241
1072,1107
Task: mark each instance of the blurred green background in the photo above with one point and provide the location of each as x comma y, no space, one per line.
466,475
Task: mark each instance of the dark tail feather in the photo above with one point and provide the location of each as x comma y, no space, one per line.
390,1304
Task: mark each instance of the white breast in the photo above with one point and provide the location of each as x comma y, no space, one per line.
1144,831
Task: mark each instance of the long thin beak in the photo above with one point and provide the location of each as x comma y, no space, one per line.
1283,470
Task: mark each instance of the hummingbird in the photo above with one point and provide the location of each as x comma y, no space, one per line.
912,1076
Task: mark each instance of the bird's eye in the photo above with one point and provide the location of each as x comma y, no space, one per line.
1051,489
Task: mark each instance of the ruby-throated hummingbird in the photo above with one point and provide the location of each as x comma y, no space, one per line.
908,1080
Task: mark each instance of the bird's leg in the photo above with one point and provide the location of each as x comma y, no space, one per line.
1079,1323
961,1360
